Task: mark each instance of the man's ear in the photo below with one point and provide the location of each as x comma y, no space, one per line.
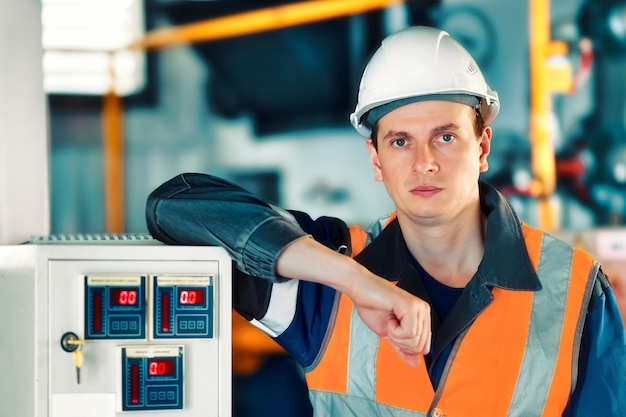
485,146
374,160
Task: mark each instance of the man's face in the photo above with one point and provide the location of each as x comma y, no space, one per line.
429,159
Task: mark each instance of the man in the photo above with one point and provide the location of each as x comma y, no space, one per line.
449,307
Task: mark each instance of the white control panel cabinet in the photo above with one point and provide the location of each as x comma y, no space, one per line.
111,329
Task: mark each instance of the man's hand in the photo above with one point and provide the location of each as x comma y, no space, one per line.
394,314
391,312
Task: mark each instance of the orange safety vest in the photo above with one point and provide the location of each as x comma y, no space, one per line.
518,358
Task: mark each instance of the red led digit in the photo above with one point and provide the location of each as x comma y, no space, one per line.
161,367
153,368
184,297
124,297
191,297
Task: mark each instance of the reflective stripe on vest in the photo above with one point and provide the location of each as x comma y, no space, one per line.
331,380
516,358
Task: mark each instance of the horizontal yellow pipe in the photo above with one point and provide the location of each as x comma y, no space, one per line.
257,21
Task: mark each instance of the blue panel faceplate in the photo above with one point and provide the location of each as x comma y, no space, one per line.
115,307
183,311
152,383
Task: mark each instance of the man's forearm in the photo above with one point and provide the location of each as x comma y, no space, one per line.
198,209
392,313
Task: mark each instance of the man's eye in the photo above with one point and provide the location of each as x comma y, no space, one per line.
446,138
398,142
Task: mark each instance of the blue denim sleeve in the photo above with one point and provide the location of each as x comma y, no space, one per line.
200,209
601,388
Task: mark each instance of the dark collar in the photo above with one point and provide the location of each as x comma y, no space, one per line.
506,263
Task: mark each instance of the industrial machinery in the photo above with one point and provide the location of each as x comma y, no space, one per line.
114,325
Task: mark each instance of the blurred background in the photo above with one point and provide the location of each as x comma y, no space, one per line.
102,101
269,109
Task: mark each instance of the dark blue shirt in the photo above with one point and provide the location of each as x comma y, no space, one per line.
443,297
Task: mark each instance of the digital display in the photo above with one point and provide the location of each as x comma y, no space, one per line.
124,297
191,297
161,367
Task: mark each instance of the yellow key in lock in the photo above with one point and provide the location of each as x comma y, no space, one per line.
77,356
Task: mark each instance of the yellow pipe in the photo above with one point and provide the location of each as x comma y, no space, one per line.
257,21
113,150
542,153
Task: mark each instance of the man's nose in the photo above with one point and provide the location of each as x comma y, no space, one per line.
424,160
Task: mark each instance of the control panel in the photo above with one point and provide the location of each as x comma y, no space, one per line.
151,377
115,329
182,307
115,307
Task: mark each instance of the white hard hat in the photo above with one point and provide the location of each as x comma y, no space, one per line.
421,63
